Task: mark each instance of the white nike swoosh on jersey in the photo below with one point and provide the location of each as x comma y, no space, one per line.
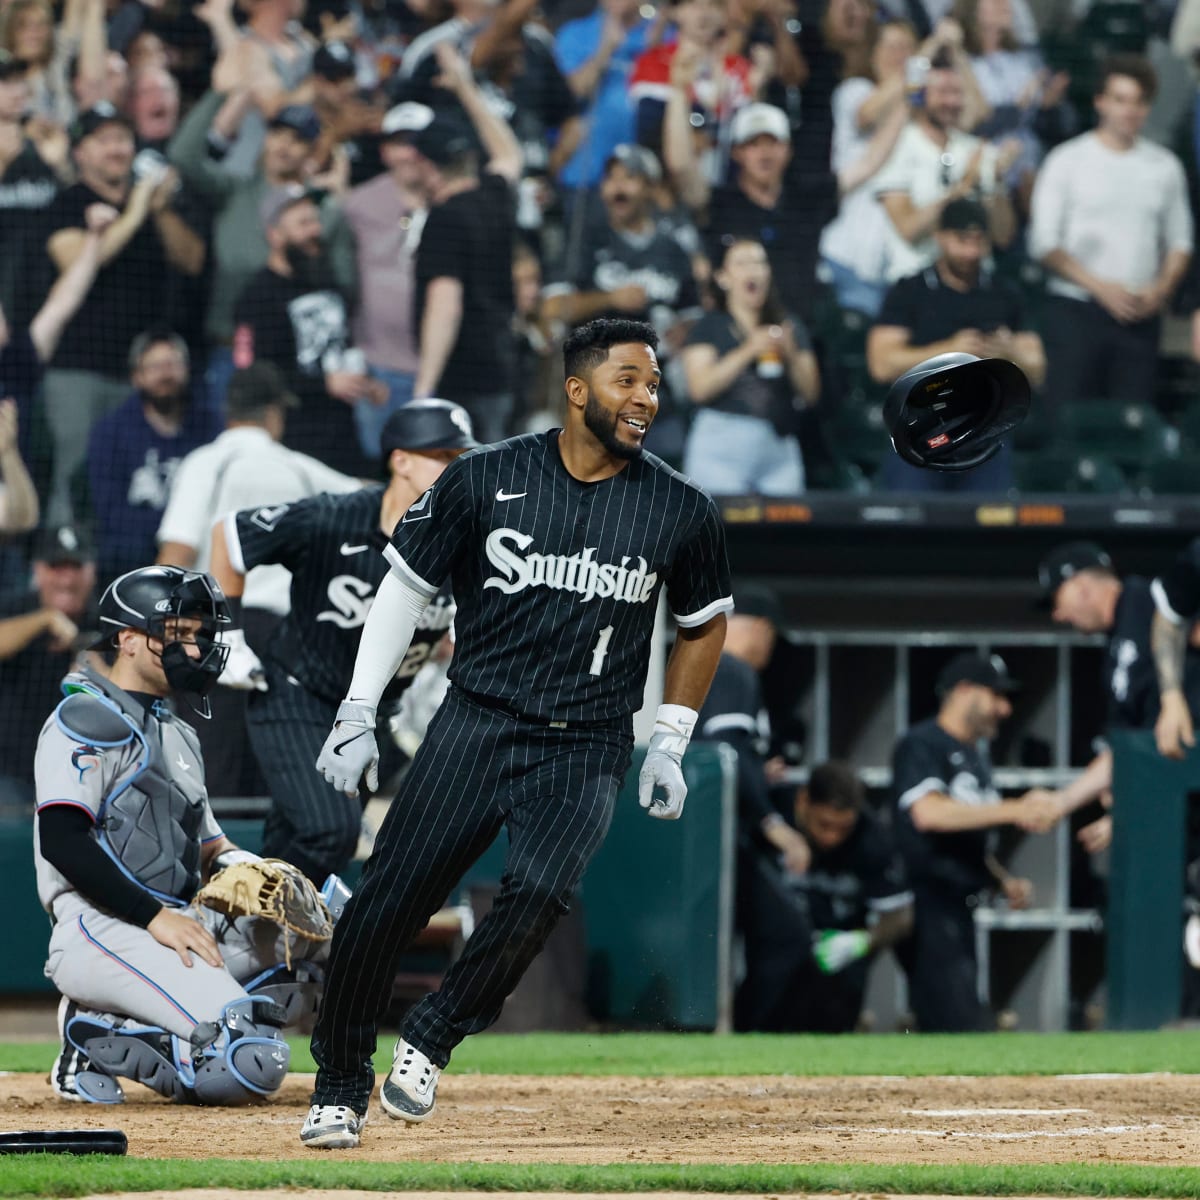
180,763
349,549
503,495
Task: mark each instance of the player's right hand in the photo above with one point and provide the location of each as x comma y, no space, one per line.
351,749
662,769
1173,731
243,668
184,935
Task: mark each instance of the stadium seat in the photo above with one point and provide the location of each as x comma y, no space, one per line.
857,434
1173,476
1063,471
1133,435
836,474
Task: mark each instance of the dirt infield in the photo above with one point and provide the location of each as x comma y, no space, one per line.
776,1119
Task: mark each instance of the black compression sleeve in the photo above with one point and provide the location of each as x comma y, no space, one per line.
67,845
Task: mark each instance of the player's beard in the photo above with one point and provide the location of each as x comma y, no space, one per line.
603,425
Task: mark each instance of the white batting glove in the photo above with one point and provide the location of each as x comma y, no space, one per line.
243,668
673,725
350,749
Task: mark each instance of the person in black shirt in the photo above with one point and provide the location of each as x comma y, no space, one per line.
854,899
149,245
558,546
350,120
332,545
953,306
1176,594
293,315
464,292
946,810
39,631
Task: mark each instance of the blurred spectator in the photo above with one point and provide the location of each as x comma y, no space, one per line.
936,162
955,305
27,32
734,713
597,53
293,314
696,61
239,245
19,507
350,119
39,628
141,255
146,51
750,369
133,452
154,107
464,297
869,111
764,204
1026,99
113,87
854,896
270,59
925,16
538,373
246,467
386,216
28,184
946,808
1112,224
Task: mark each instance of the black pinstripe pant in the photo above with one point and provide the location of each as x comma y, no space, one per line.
476,771
311,824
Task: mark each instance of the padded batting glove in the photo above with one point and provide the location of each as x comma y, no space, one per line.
836,949
673,725
243,668
350,749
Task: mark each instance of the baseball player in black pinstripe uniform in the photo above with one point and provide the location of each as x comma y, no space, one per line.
557,545
332,545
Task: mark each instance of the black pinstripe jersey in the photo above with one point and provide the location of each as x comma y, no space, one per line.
332,546
557,581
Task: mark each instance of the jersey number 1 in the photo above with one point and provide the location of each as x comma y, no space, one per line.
600,653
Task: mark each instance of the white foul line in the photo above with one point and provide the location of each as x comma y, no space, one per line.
991,1112
1024,1135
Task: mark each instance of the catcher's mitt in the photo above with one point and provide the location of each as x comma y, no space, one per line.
274,890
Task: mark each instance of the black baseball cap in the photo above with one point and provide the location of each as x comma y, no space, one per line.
1067,560
445,139
300,119
334,61
753,600
255,388
100,114
963,214
64,544
428,425
986,670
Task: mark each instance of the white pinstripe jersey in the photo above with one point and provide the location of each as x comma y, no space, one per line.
557,581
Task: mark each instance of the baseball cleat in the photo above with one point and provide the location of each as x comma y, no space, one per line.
410,1090
332,1127
73,1077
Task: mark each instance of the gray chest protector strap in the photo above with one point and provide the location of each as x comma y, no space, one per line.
150,821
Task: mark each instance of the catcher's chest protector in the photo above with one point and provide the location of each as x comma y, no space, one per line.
150,820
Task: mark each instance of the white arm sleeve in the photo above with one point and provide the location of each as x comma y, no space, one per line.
389,629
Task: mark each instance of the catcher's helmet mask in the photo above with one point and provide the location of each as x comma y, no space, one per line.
951,412
150,599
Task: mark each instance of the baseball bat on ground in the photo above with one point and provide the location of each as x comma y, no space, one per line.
64,1141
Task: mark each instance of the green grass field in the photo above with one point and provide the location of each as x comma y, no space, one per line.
681,1055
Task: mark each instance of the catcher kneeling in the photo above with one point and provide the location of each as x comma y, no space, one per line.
181,988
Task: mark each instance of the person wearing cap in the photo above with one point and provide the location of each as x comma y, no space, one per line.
350,118
736,714
39,640
955,305
386,216
294,314
946,809
332,546
144,254
935,161
238,240
245,467
464,289
135,449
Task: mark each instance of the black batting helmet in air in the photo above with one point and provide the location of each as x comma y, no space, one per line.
951,412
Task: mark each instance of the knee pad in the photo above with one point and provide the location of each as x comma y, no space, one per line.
242,1057
296,989
144,1053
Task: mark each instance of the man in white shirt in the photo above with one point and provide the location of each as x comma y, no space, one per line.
247,466
1110,221
935,162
